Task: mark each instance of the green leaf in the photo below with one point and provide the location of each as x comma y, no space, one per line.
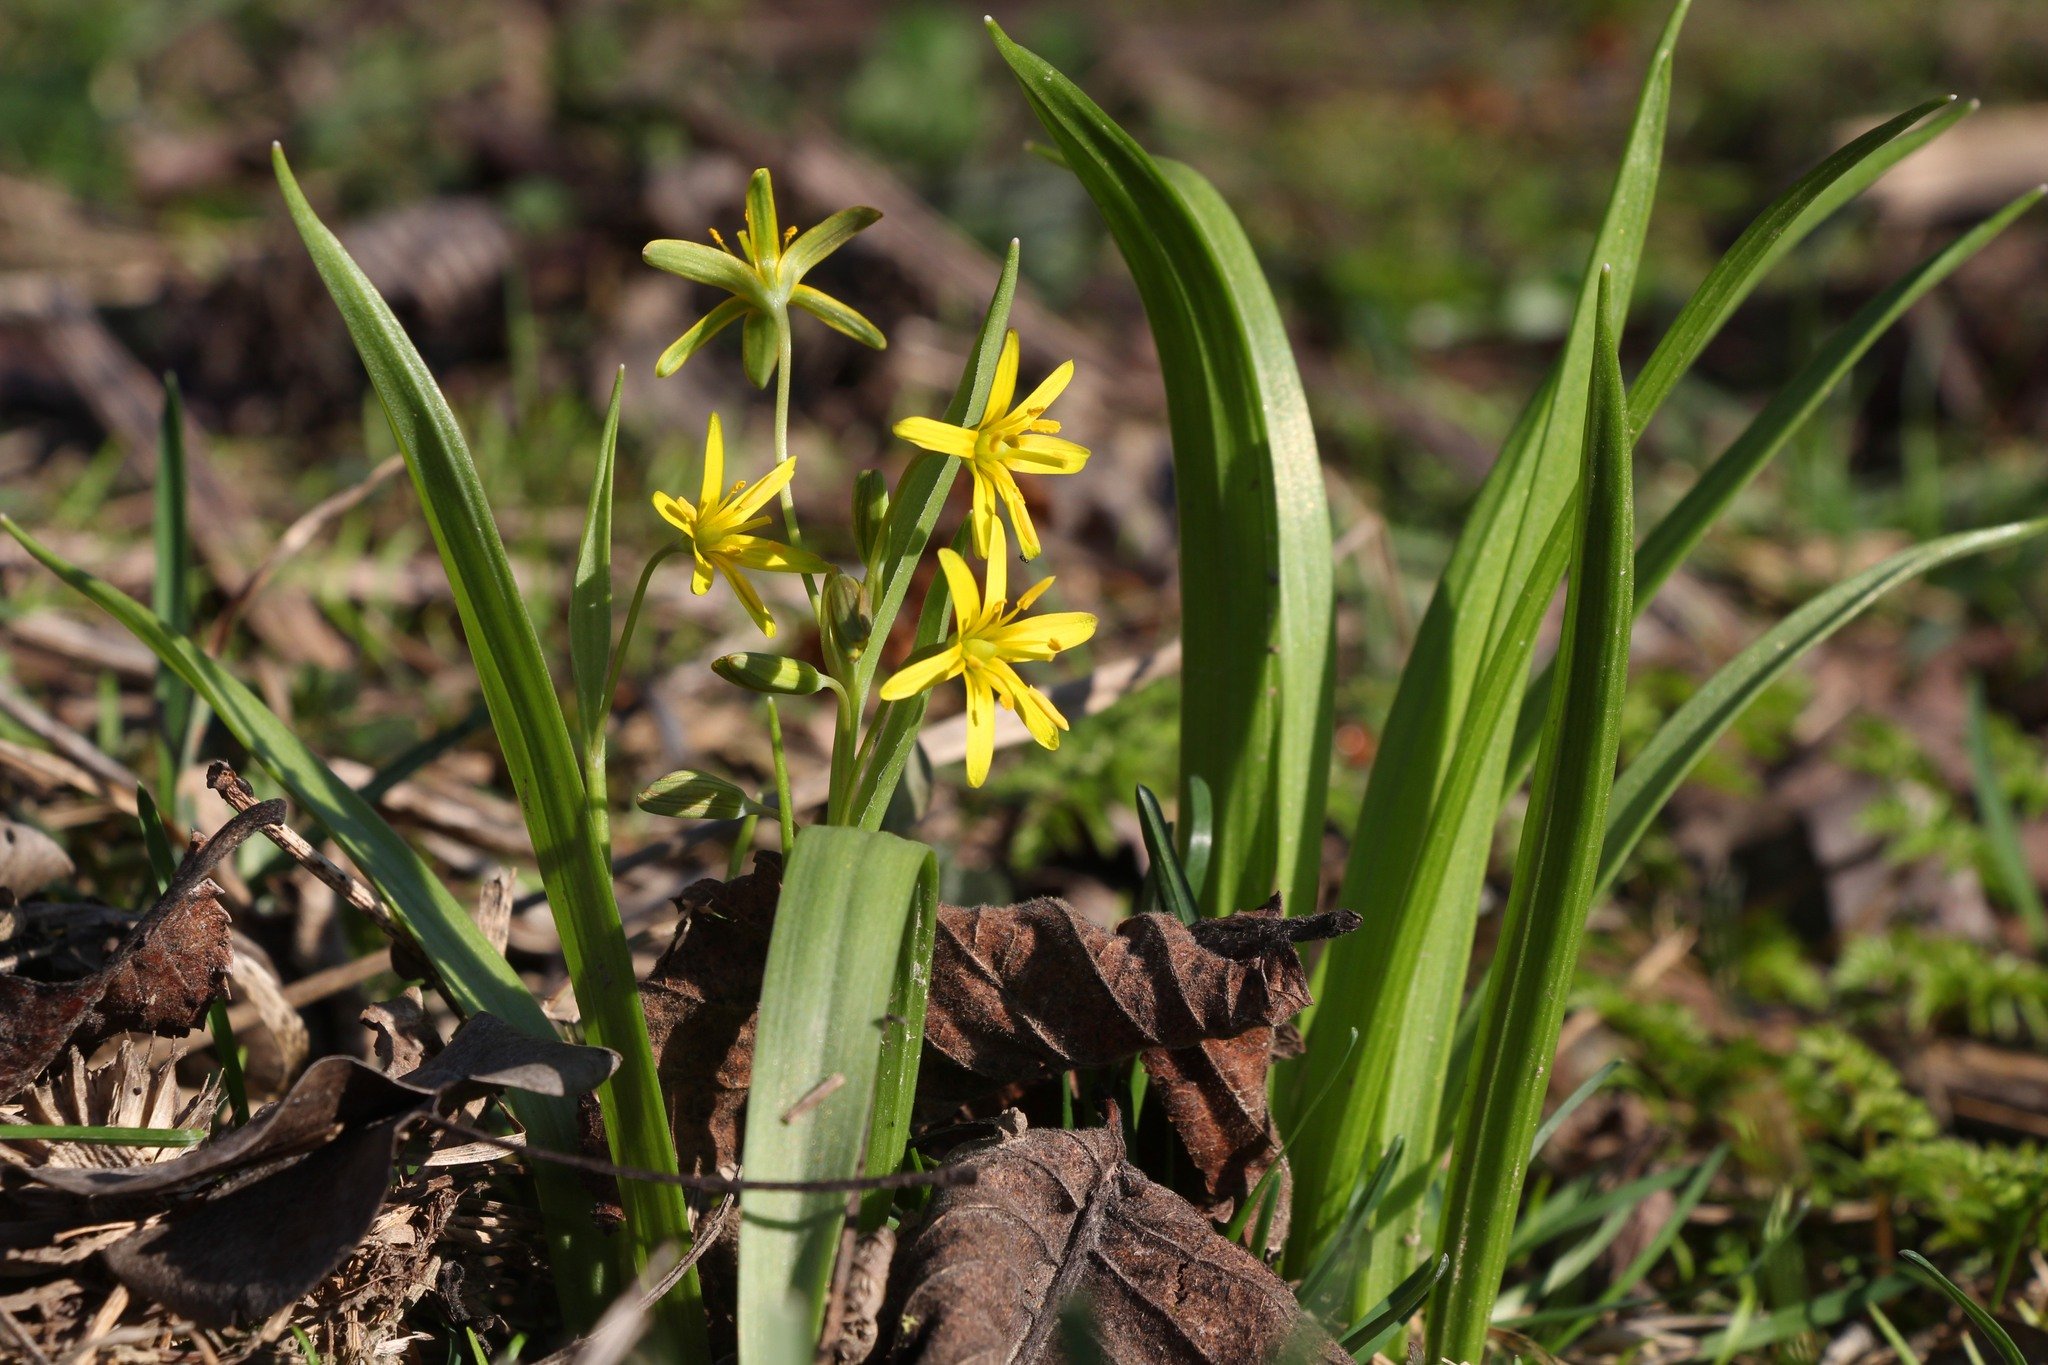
1691,730
590,597
474,975
86,1132
850,901
1388,1316
1570,1106
1168,875
533,735
1823,1310
1554,875
1979,1317
171,586
1788,219
1573,1208
1254,526
687,794
1405,1003
2001,831
1680,530
1646,1260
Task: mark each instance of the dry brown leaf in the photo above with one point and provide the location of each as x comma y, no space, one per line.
29,858
173,964
1058,1216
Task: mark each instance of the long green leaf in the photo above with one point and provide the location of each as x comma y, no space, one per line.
1380,1323
1681,740
1980,1318
1254,527
2001,831
474,975
534,737
1405,1004
1821,1311
1680,530
590,598
171,588
1554,877
851,900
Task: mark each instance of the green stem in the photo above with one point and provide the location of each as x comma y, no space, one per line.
230,1058
785,816
743,841
845,752
611,677
782,381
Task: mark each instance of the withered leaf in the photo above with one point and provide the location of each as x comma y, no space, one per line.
29,858
1054,1215
257,1216
172,965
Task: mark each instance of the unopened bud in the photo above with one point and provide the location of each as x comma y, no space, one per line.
687,794
870,514
843,612
776,674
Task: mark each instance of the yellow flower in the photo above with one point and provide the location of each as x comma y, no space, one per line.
1009,439
764,282
721,525
989,636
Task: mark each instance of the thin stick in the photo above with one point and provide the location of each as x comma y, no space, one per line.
233,790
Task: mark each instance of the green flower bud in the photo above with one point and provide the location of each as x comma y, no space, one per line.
775,674
843,616
688,794
870,514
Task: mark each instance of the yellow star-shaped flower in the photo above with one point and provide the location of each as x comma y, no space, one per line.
764,283
1008,440
721,524
990,636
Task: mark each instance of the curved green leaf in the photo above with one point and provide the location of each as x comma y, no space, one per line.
1254,525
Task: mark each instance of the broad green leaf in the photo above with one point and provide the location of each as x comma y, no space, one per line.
2001,831
1691,730
533,735
1979,1317
906,531
1404,1003
851,900
1765,241
1255,560
474,976
1681,529
1554,876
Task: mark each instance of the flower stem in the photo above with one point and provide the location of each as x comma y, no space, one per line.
845,746
782,382
784,815
611,679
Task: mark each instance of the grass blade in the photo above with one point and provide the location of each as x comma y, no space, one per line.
1326,1288
1646,1260
1570,1106
818,1109
1168,876
1254,526
1554,876
85,1132
1387,1317
1994,812
1404,1003
1979,1316
171,587
1663,763
1821,1311
473,974
590,598
1764,242
1564,1213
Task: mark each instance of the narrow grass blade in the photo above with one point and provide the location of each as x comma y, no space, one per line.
913,513
1994,813
1197,832
1405,1002
171,587
1254,525
1822,1311
1979,1316
823,1105
120,1137
1168,876
534,737
1554,876
163,866
1678,744
1765,241
473,974
1326,1289
1577,1208
1646,1260
1680,530
590,598
1386,1318
1585,1092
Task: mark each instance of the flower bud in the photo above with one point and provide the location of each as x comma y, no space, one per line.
843,615
775,674
870,514
688,794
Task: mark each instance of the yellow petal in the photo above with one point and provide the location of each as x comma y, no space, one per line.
700,577
714,464
1020,516
1034,710
983,513
1041,637
1032,594
943,437
676,513
758,552
997,579
960,583
1051,387
1004,388
1046,455
981,728
922,675
756,495
749,599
